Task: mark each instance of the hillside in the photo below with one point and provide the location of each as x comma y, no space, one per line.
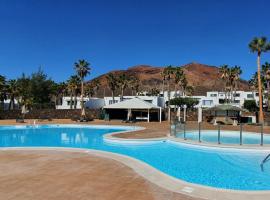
202,77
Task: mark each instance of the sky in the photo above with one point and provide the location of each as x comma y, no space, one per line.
110,35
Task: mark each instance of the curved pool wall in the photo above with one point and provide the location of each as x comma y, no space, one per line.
215,167
226,137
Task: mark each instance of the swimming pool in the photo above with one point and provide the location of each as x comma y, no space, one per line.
226,137
215,167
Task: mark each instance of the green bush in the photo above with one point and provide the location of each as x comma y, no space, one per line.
251,105
180,101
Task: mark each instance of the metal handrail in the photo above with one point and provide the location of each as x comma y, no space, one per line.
177,126
264,161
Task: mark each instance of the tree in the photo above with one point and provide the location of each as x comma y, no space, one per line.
224,75
163,75
179,76
259,45
123,81
135,85
3,95
231,77
92,88
266,75
112,83
168,73
41,89
235,78
72,85
181,101
12,90
153,92
25,96
250,105
82,68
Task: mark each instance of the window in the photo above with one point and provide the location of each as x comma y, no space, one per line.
221,101
68,103
236,101
236,95
207,102
250,96
149,101
111,101
213,95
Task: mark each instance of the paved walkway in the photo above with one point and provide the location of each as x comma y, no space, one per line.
56,175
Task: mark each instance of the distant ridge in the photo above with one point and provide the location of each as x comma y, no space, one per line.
202,77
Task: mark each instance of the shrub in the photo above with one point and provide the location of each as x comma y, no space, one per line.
180,101
251,105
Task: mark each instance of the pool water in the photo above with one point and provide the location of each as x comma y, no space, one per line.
226,137
220,168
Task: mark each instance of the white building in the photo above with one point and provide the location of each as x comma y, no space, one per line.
7,102
156,100
95,103
216,98
66,101
91,103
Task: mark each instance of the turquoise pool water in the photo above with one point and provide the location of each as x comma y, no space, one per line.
226,137
220,168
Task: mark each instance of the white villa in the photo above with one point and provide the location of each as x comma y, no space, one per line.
66,101
216,98
211,99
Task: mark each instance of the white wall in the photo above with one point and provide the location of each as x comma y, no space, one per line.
95,103
157,101
66,103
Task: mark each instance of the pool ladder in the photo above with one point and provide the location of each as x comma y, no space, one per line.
264,161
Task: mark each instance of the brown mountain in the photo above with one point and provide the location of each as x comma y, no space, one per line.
202,77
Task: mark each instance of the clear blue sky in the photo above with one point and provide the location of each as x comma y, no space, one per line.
121,33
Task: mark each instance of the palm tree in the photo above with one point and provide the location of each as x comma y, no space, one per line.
259,45
112,84
178,77
135,85
82,68
2,91
92,88
61,91
189,90
123,81
168,73
266,75
72,85
224,75
235,73
89,90
12,90
183,84
163,75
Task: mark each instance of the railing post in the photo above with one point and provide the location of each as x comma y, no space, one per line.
185,131
218,133
261,134
199,131
175,126
241,130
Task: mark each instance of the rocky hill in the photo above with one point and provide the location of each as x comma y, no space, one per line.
202,77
